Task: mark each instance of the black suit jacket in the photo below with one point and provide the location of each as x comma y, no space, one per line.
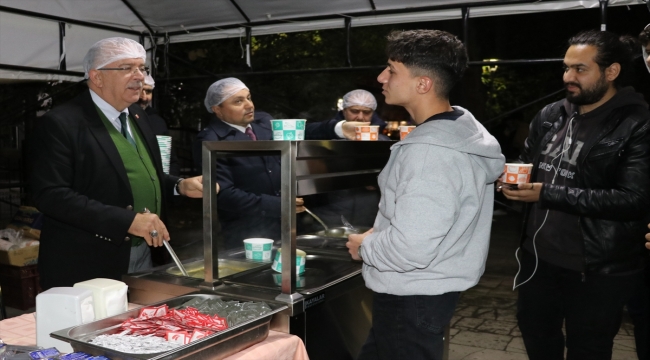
80,184
249,201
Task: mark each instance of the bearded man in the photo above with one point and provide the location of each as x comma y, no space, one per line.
582,249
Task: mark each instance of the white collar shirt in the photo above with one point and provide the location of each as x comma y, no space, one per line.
112,114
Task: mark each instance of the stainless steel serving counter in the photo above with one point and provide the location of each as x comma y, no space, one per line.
328,306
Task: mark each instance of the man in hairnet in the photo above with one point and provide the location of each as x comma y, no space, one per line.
360,105
249,201
97,174
157,123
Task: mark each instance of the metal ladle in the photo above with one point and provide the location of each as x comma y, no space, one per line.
317,218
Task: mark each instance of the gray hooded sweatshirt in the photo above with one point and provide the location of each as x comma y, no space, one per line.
432,231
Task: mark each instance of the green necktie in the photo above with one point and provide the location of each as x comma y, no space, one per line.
125,133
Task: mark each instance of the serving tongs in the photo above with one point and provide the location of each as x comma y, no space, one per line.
176,259
171,251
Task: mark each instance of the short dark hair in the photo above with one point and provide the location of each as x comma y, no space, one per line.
644,36
434,53
610,49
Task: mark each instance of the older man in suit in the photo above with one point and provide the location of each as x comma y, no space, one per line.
97,174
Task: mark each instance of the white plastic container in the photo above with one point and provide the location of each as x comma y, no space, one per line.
109,296
59,308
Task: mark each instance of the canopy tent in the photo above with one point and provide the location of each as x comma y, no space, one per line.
47,39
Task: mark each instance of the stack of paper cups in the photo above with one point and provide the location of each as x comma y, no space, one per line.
165,145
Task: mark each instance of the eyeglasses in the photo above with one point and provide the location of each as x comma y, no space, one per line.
144,70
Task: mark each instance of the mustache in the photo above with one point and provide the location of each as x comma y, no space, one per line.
567,84
135,84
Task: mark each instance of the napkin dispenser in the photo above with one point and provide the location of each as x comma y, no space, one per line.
109,296
59,308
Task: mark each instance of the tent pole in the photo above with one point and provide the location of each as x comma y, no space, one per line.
348,29
466,26
62,64
603,15
355,68
249,45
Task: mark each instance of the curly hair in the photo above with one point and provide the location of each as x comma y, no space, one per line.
434,53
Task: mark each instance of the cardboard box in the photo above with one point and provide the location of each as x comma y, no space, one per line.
20,257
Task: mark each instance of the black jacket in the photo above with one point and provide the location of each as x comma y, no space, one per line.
249,200
612,197
81,186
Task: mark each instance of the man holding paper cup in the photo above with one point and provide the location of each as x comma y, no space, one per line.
249,199
582,252
431,235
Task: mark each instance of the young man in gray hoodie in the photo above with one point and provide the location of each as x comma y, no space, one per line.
430,238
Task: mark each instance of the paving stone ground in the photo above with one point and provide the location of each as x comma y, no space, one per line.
484,326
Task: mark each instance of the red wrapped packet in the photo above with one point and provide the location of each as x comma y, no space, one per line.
180,325
153,311
177,337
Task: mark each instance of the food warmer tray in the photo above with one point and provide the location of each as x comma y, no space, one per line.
321,271
216,346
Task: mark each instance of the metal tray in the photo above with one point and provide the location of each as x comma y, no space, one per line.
216,346
227,267
321,271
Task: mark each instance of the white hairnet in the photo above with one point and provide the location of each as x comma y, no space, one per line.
106,51
359,98
148,80
222,90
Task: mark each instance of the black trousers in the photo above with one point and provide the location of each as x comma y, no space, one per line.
639,310
408,327
589,305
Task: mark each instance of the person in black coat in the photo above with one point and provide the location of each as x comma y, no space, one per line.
249,201
79,176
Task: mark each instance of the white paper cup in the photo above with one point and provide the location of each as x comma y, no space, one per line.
516,173
366,132
405,130
258,249
301,259
288,129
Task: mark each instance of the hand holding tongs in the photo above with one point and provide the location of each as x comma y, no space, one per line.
171,252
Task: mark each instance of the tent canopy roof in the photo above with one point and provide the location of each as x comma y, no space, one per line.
32,34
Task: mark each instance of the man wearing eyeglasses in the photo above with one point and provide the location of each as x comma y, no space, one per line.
97,175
